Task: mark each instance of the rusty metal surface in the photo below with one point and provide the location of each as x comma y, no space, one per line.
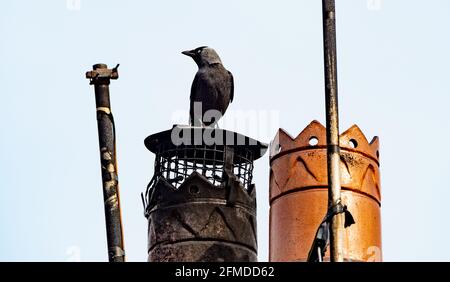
201,202
101,74
100,78
332,122
194,223
298,193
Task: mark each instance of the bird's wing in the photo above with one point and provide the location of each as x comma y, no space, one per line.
192,99
194,86
231,86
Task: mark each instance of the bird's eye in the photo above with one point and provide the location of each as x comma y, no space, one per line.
199,51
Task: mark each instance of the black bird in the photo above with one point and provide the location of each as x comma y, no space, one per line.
213,86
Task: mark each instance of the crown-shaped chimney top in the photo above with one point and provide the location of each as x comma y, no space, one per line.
314,136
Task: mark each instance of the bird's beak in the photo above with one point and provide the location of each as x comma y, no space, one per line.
189,53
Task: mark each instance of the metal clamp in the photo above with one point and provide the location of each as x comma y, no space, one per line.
101,72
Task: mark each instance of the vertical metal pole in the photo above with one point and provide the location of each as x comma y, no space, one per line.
100,77
333,150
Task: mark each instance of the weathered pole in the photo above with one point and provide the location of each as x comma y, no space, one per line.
332,124
100,77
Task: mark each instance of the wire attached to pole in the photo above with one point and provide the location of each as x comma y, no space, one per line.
322,238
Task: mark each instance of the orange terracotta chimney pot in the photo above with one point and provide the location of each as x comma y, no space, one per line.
299,193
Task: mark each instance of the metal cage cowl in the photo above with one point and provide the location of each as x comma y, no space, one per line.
201,202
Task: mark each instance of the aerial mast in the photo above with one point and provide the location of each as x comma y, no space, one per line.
332,126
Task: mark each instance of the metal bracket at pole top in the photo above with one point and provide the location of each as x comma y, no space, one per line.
101,74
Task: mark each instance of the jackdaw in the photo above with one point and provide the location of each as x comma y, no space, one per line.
212,88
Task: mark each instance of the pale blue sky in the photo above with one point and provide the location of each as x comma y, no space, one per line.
393,82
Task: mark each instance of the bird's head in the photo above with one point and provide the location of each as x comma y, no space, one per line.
203,56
